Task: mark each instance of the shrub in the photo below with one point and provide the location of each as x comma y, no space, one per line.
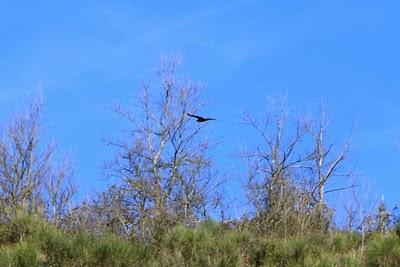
207,245
109,250
56,245
396,229
18,229
311,250
20,255
82,248
343,242
383,250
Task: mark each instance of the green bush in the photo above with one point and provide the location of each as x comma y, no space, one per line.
28,241
185,247
343,242
18,229
56,245
82,248
267,252
110,250
21,255
396,229
207,245
383,250
295,252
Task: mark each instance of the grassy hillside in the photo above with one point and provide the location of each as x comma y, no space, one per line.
29,241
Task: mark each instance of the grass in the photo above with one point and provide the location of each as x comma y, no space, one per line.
28,241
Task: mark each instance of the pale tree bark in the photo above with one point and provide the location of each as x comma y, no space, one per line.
291,171
26,166
329,164
164,164
361,205
274,169
23,167
60,190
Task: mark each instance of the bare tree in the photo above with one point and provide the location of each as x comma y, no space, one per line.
328,163
26,167
288,172
164,167
60,190
274,169
22,167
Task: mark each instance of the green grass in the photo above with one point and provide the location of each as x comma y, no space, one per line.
21,254
29,241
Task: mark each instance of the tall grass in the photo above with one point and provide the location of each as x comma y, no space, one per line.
29,241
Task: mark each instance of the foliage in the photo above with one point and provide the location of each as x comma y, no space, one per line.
22,254
38,243
207,245
383,250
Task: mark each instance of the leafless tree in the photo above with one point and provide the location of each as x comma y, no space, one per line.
274,168
164,166
26,167
104,213
288,172
328,163
60,190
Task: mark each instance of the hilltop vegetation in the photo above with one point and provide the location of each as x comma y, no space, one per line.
29,241
167,207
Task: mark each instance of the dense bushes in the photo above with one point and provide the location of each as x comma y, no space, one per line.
28,241
31,242
208,245
21,254
308,251
383,250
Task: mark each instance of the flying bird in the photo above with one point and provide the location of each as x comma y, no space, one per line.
201,119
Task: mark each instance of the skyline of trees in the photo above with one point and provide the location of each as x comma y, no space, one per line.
163,172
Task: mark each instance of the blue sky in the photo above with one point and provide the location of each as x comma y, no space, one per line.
85,54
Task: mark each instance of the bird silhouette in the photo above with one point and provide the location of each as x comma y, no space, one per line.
201,119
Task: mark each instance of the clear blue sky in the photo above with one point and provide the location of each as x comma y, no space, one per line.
85,54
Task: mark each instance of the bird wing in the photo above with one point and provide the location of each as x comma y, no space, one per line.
195,116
